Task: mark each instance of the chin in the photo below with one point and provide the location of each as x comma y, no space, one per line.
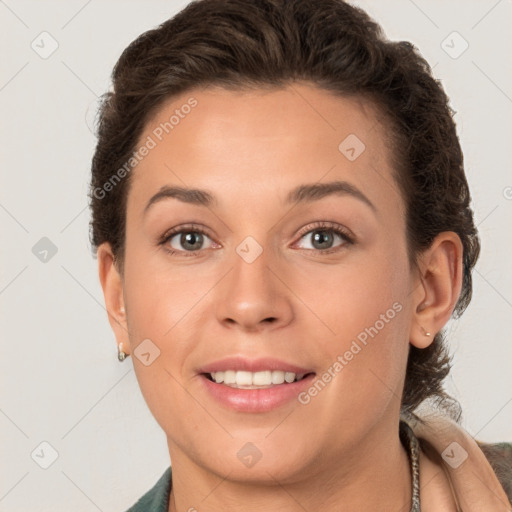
259,462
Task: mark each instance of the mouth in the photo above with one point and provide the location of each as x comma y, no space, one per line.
265,379
255,386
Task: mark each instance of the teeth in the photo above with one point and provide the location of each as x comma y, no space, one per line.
260,378
243,379
277,377
230,377
218,377
289,377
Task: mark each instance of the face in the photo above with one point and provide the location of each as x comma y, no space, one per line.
290,263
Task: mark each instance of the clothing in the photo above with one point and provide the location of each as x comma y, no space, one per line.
499,456
412,447
157,498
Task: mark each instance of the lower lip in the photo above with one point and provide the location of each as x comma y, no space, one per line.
256,400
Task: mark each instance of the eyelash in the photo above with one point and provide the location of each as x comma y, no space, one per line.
347,237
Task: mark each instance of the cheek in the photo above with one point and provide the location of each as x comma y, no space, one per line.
165,306
160,297
350,298
364,317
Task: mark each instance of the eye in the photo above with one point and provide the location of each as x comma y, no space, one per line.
323,237
183,240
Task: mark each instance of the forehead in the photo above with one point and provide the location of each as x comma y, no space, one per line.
247,141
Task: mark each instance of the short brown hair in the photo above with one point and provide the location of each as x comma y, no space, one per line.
334,46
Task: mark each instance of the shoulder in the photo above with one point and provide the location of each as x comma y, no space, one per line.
499,456
157,498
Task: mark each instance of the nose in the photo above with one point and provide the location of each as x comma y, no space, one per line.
254,296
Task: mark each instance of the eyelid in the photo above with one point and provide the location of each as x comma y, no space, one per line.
191,227
187,228
343,232
328,226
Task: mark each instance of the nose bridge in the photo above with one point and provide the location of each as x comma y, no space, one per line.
252,294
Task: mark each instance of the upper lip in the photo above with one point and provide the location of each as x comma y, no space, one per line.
251,365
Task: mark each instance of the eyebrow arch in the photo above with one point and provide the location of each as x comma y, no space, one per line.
186,195
316,191
300,194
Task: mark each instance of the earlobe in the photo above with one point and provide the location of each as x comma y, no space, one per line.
421,337
437,289
112,285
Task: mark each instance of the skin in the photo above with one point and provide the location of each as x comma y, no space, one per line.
249,149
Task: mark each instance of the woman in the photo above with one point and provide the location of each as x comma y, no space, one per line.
283,228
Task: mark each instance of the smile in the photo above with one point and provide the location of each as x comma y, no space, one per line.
254,380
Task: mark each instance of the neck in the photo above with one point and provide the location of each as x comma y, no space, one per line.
375,477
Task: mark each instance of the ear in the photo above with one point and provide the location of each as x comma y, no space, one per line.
437,287
112,284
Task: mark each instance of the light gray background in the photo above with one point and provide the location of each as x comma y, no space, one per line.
60,378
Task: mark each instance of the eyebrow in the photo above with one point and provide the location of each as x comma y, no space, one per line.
316,191
186,195
301,194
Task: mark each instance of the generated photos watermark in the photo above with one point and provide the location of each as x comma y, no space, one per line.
343,360
143,150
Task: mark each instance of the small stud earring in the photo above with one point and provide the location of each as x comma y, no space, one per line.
426,333
121,355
